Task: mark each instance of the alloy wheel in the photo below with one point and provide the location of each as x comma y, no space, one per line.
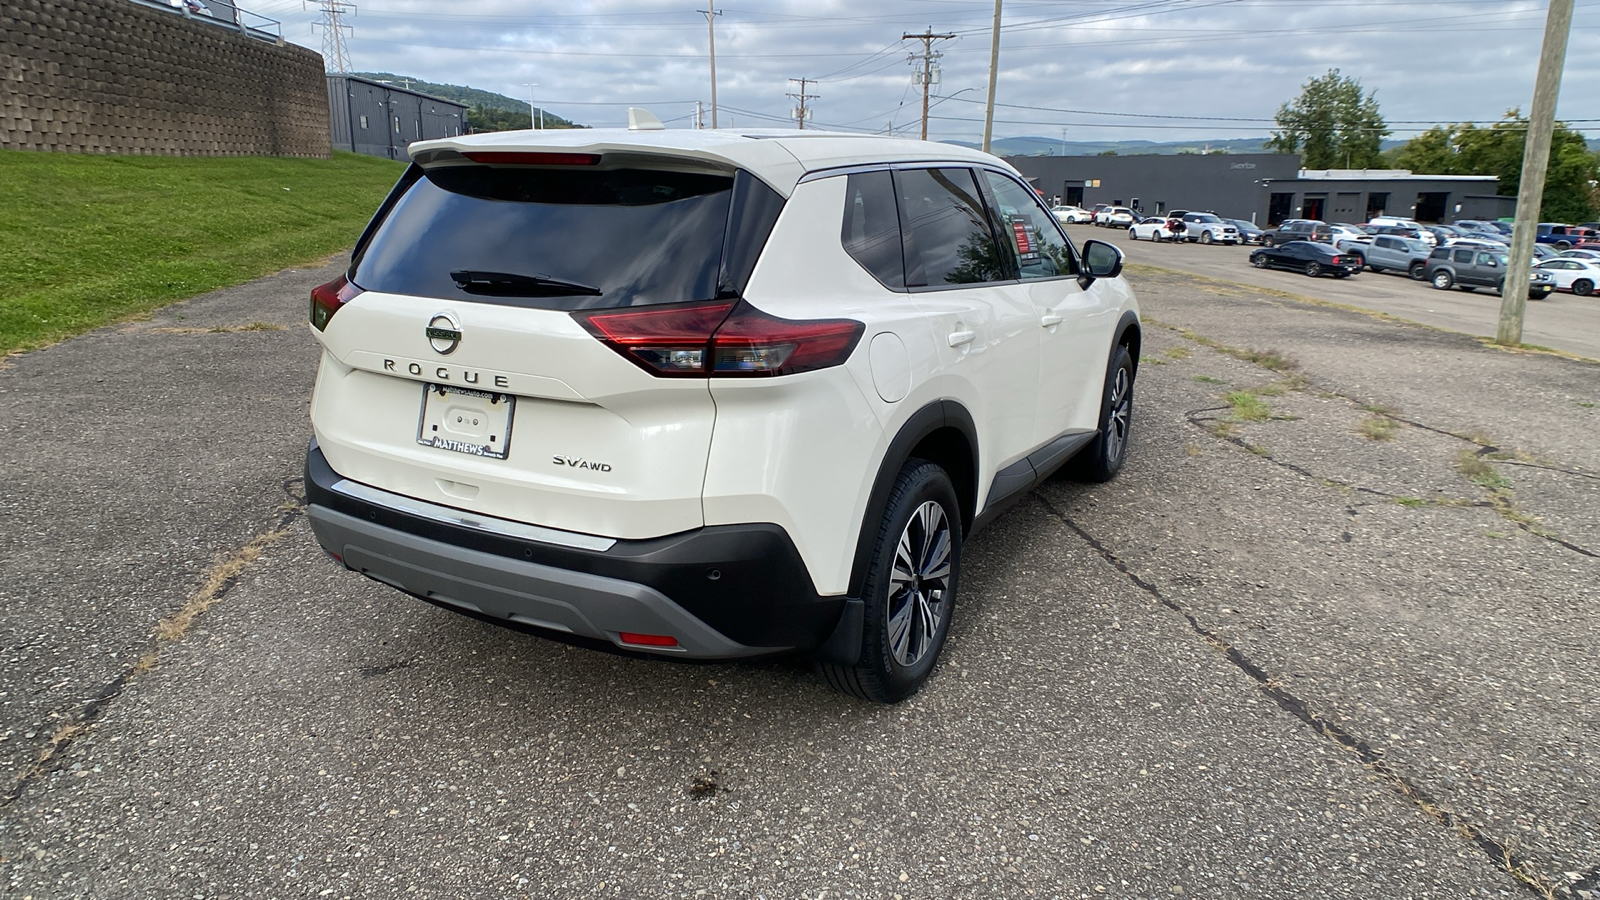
1121,413
919,584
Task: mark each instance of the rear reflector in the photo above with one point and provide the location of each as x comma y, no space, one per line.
722,339
327,299
647,640
519,158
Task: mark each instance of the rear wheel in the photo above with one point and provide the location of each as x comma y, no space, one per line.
1563,245
1102,459
1418,271
1443,280
1466,287
1376,268
1313,269
910,589
1259,260
1266,241
1583,287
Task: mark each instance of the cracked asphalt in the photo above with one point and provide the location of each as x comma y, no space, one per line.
1331,633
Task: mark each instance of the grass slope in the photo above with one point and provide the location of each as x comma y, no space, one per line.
89,240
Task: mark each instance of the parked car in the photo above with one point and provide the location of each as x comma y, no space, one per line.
514,423
1072,215
1557,235
1470,268
1298,230
1573,274
1248,232
1153,228
1407,255
1348,232
1413,228
1115,217
1580,253
1311,257
1209,228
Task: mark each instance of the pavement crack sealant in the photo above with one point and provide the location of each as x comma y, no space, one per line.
1502,855
219,579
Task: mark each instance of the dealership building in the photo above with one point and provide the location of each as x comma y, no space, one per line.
1264,188
380,118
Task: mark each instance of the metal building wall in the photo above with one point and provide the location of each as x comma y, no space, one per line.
1227,184
382,120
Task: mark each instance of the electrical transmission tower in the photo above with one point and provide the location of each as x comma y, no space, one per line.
335,55
802,112
930,72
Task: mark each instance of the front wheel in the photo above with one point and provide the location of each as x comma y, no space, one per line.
1313,269
1133,235
1102,459
1259,260
1418,271
1583,287
910,588
1205,237
1443,280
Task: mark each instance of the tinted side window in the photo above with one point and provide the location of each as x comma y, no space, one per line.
1463,256
1485,259
944,230
871,227
1042,251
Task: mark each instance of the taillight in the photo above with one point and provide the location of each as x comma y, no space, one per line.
647,640
326,299
721,339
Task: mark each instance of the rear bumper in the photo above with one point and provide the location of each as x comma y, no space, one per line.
722,592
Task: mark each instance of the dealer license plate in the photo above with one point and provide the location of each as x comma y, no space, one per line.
466,421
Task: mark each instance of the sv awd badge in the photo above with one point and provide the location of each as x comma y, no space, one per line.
576,462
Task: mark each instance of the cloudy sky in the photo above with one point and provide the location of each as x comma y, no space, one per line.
1100,69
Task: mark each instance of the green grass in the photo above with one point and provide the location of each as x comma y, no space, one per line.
1378,428
90,240
1247,407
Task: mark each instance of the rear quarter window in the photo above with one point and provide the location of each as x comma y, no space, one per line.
870,231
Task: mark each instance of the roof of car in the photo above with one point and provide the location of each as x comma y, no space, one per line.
777,156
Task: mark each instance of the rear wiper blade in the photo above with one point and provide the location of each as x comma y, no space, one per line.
511,284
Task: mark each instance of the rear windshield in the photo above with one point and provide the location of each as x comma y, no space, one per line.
552,238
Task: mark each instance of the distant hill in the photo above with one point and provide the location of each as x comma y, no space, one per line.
472,97
1043,146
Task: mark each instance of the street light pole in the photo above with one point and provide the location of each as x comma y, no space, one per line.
994,74
530,85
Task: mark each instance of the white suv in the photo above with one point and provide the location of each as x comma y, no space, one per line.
708,393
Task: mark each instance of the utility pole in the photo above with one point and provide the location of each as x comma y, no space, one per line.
994,74
1535,162
711,14
699,115
335,55
530,85
930,72
801,113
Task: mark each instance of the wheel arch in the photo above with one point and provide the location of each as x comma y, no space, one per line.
941,432
1129,335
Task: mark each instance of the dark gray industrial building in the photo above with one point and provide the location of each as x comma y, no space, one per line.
1264,188
381,119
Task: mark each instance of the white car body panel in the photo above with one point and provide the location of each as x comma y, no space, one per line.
1588,270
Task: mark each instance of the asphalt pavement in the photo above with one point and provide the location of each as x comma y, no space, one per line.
1331,633
1563,321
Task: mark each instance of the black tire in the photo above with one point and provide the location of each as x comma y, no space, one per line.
888,670
1442,280
1266,240
1259,260
1132,235
1205,237
1102,459
1418,271
1563,245
1313,269
1340,273
1376,268
1583,287
1466,287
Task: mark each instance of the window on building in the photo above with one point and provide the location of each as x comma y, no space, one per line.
363,123
396,124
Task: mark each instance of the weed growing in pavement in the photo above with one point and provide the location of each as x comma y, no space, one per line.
1586,404
1247,407
1412,502
1192,449
1480,472
1222,429
1153,360
1207,379
1378,428
1177,352
1258,450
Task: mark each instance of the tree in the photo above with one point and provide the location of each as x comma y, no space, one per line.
1497,150
1331,124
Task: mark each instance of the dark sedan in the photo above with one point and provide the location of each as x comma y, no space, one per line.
1305,256
1248,231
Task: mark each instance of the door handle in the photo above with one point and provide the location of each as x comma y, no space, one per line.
1049,319
957,338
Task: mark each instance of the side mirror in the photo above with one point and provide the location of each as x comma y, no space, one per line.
1100,260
